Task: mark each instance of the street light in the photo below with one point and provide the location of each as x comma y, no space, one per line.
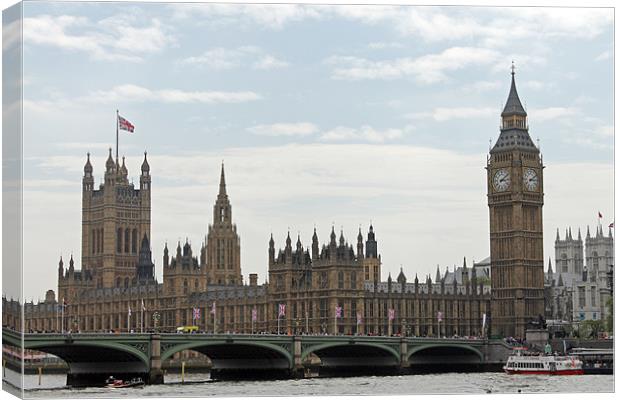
156,318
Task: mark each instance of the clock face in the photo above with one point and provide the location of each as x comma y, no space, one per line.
530,179
501,180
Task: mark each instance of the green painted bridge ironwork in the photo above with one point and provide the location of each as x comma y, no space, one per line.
94,355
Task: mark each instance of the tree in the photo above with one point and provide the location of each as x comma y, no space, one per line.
591,328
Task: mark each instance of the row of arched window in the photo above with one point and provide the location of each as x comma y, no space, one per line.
126,240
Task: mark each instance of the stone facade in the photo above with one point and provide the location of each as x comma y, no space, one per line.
577,292
105,296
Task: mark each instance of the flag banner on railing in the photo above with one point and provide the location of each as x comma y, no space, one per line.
281,310
338,312
196,313
391,314
254,314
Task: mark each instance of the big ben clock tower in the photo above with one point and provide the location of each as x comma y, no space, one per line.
515,196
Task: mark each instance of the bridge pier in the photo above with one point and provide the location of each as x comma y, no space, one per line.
156,375
298,368
404,359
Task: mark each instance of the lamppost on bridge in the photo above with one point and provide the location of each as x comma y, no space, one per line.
156,318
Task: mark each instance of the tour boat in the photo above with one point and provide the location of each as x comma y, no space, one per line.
542,364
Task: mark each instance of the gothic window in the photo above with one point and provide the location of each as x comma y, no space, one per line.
100,240
366,274
564,263
134,240
353,280
127,240
196,284
593,296
323,281
126,283
377,277
582,297
221,214
340,280
185,285
118,282
595,260
92,249
119,240
279,283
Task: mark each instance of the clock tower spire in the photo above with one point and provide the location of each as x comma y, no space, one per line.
515,199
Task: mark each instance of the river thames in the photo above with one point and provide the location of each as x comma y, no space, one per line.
199,385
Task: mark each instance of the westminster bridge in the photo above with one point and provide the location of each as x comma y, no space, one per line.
91,357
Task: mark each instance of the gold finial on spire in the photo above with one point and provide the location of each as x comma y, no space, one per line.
512,68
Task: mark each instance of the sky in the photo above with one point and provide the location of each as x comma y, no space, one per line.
323,116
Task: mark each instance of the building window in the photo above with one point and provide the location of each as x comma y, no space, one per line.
134,239
340,280
366,274
582,297
353,280
127,240
119,240
185,285
593,296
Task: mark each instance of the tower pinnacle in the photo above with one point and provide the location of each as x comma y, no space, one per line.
222,182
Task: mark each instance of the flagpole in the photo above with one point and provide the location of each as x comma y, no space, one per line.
57,321
116,137
62,318
142,316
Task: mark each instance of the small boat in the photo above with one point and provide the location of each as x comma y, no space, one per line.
522,362
119,383
595,361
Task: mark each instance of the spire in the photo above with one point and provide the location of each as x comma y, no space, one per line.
560,281
332,237
566,234
145,165
123,167
464,263
513,104
557,235
341,238
360,238
588,232
222,182
271,241
549,270
437,275
579,234
88,168
288,239
109,164
401,277
570,234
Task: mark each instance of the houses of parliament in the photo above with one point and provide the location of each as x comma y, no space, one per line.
335,286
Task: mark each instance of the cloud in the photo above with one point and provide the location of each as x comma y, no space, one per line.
446,113
363,134
284,129
482,86
550,113
121,37
385,45
270,62
139,94
267,16
11,35
427,69
485,26
603,56
220,58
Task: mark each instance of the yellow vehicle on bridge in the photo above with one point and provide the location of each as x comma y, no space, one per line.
187,329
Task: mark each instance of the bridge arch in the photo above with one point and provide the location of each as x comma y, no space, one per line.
235,350
79,352
445,354
356,353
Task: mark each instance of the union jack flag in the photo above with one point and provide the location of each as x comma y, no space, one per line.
281,310
213,308
439,316
391,314
338,312
254,314
196,313
359,318
125,125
